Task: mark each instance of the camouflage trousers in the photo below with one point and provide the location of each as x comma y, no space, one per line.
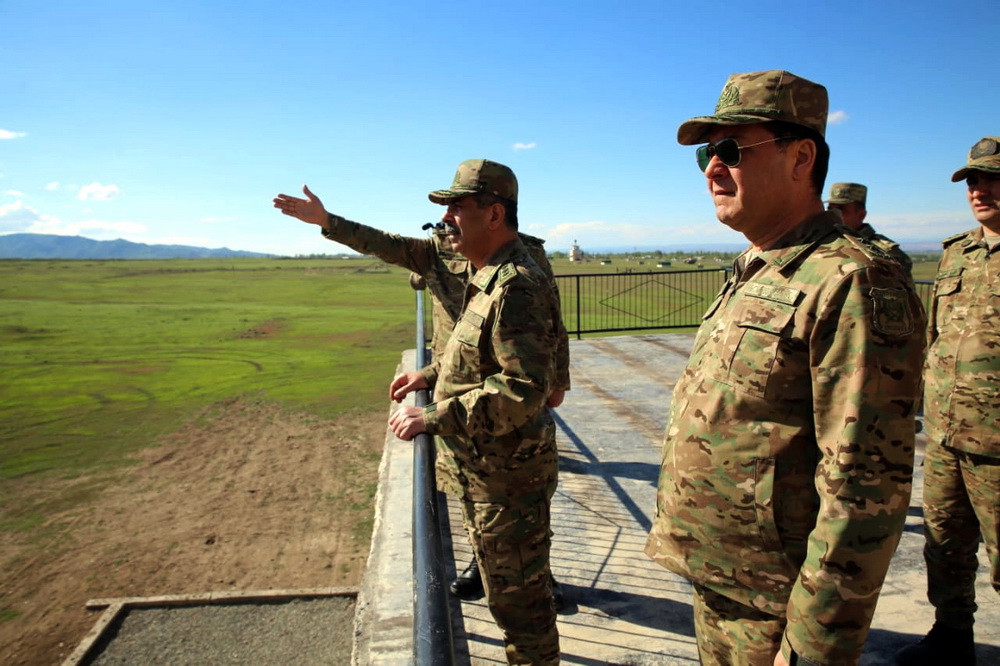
961,505
511,543
732,634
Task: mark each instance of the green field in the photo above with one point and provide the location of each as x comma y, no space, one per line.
100,358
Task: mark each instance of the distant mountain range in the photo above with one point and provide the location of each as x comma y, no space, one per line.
48,246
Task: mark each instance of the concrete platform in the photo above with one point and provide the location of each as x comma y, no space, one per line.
622,608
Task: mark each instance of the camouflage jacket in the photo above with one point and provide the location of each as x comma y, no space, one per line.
445,274
788,456
892,247
496,437
962,376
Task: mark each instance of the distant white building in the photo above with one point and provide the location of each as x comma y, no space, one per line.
575,253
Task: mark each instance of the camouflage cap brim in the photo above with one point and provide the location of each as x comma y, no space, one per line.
695,131
964,171
445,197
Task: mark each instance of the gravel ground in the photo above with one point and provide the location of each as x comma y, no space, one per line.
313,631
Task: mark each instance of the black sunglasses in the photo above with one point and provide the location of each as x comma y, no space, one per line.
728,151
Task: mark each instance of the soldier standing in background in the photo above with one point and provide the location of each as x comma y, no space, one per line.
849,199
490,387
962,412
788,456
444,273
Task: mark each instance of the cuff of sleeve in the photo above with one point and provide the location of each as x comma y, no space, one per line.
329,231
432,419
430,374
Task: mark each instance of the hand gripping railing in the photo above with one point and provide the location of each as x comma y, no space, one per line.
433,644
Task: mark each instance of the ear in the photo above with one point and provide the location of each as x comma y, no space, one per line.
497,215
805,158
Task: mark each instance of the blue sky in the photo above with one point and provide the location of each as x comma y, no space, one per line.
177,122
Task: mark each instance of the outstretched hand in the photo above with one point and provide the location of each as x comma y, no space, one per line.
308,210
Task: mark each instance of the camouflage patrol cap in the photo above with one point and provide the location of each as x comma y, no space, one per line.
845,193
475,176
984,156
760,97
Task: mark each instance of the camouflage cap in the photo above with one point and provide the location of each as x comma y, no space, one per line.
475,176
984,156
845,193
760,97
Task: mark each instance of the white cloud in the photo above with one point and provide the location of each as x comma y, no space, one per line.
7,134
520,145
53,186
14,193
18,217
837,118
98,192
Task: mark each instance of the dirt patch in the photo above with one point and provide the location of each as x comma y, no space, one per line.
245,497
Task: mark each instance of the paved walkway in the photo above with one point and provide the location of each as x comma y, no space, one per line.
623,609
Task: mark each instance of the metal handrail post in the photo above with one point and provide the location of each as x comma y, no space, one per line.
433,643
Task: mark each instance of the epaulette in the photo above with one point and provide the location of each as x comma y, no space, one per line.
870,250
531,240
952,239
506,273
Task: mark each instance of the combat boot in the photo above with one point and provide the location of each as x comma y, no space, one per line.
468,585
941,645
558,600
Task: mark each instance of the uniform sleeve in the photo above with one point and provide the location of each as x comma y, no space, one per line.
562,380
521,349
416,254
865,352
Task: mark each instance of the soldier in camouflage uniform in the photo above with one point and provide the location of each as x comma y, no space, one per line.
962,413
490,387
444,273
788,455
849,199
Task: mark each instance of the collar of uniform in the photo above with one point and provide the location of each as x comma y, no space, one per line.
484,276
800,239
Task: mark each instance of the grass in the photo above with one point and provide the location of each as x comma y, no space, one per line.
102,358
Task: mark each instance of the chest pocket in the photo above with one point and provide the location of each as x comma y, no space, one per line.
466,344
753,340
949,309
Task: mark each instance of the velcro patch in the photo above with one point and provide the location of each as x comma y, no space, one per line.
771,292
891,312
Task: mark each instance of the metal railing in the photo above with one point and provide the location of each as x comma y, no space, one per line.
609,302
433,643
614,302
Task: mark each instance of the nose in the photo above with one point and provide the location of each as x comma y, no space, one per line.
716,169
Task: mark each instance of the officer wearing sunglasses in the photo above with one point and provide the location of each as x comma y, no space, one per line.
788,455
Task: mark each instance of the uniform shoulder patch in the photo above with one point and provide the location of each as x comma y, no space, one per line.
951,239
891,314
506,273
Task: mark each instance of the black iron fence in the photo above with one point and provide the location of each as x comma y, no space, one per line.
611,302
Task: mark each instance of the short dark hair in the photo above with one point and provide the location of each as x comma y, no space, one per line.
487,199
795,132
